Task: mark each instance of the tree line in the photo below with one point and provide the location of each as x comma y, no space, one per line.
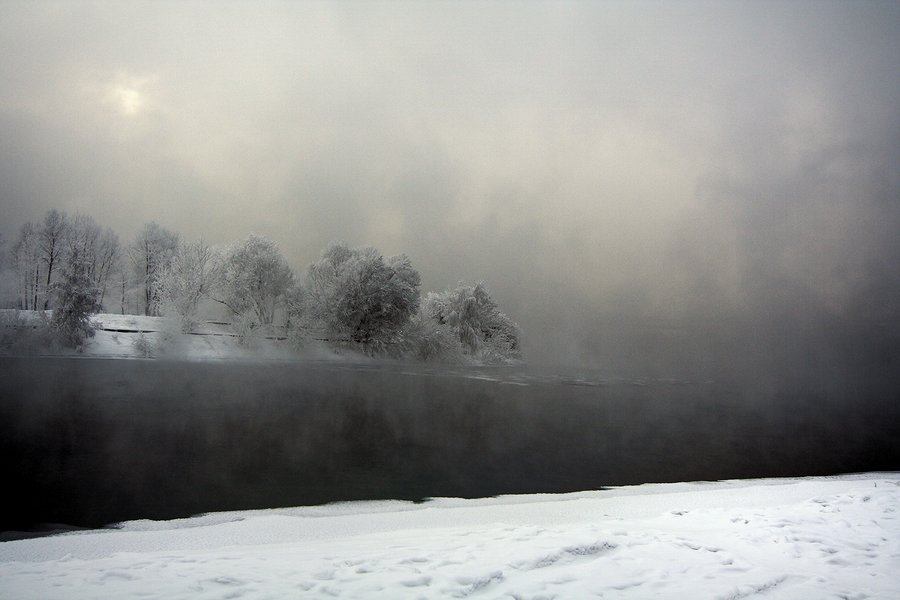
350,297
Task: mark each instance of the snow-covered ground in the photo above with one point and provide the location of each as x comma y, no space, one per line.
136,336
835,537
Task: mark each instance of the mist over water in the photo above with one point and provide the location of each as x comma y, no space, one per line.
88,442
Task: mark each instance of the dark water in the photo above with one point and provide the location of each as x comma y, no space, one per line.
89,442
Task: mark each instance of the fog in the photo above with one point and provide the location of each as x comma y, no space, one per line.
651,187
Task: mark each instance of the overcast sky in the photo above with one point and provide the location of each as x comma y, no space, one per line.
599,160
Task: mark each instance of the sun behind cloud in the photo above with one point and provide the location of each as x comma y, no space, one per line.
130,96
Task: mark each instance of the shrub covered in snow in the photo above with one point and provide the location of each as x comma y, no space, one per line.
483,330
427,340
144,345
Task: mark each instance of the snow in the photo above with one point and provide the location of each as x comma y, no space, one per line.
835,537
115,337
139,337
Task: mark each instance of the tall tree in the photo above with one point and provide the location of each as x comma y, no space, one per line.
82,241
52,237
107,259
255,279
27,266
7,279
97,247
150,251
193,274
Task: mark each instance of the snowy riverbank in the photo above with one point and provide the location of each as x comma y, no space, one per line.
834,537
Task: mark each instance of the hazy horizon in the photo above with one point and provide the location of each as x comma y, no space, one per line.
621,175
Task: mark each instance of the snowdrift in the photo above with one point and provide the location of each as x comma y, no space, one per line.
835,537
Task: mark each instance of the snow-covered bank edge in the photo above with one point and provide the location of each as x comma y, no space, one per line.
141,337
810,537
116,336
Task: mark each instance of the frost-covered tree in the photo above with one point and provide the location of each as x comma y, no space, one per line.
149,253
255,279
359,296
98,247
52,236
76,297
194,273
424,339
321,281
476,319
107,260
295,306
37,254
83,239
27,266
43,247
123,274
7,277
